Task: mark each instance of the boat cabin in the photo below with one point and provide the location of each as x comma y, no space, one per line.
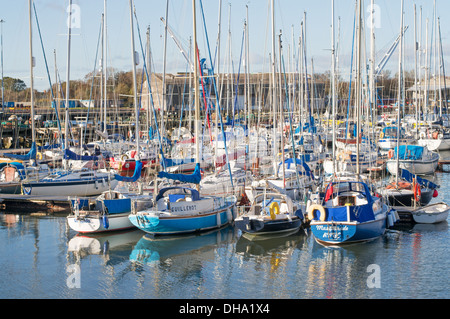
347,194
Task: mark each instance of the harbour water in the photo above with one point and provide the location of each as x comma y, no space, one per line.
41,257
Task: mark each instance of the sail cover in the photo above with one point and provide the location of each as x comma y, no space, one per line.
407,175
194,178
69,155
30,155
409,152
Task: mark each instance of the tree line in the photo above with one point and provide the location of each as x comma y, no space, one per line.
120,87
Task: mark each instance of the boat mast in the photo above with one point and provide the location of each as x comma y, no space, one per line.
66,122
196,91
274,98
333,87
164,97
415,72
358,85
372,88
217,67
33,132
136,107
399,93
104,65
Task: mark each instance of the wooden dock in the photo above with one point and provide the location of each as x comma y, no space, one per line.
441,164
34,203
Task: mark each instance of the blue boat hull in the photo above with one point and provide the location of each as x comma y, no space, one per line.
335,233
181,224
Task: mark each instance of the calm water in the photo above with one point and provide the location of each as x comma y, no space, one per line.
41,257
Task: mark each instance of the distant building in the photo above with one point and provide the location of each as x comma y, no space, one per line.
435,88
230,87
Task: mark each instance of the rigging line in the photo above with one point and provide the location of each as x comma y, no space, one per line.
351,76
237,80
93,78
218,109
46,66
290,120
150,93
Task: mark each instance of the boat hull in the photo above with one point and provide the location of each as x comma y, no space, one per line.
69,188
415,167
258,226
97,224
157,223
11,188
432,214
396,198
336,233
435,144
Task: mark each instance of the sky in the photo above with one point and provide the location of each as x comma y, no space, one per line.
52,16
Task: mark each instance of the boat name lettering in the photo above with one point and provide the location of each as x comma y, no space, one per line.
183,208
331,228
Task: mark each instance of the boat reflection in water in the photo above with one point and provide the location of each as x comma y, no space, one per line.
152,249
106,244
276,249
337,271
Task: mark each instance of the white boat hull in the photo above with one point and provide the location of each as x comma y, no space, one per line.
431,214
69,188
439,144
96,224
415,167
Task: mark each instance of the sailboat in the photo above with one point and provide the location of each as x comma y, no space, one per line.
349,212
271,213
179,210
23,166
68,182
407,190
388,138
414,158
110,210
436,137
291,176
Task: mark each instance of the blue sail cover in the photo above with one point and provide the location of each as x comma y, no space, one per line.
305,166
30,155
136,174
49,147
69,155
409,152
168,162
194,178
407,175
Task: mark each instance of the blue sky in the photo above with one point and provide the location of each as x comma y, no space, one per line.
52,17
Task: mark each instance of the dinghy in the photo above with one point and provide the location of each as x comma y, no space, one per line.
431,214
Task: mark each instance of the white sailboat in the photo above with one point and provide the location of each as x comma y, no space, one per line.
67,182
179,210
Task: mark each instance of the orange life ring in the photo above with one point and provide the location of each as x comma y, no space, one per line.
417,192
391,154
